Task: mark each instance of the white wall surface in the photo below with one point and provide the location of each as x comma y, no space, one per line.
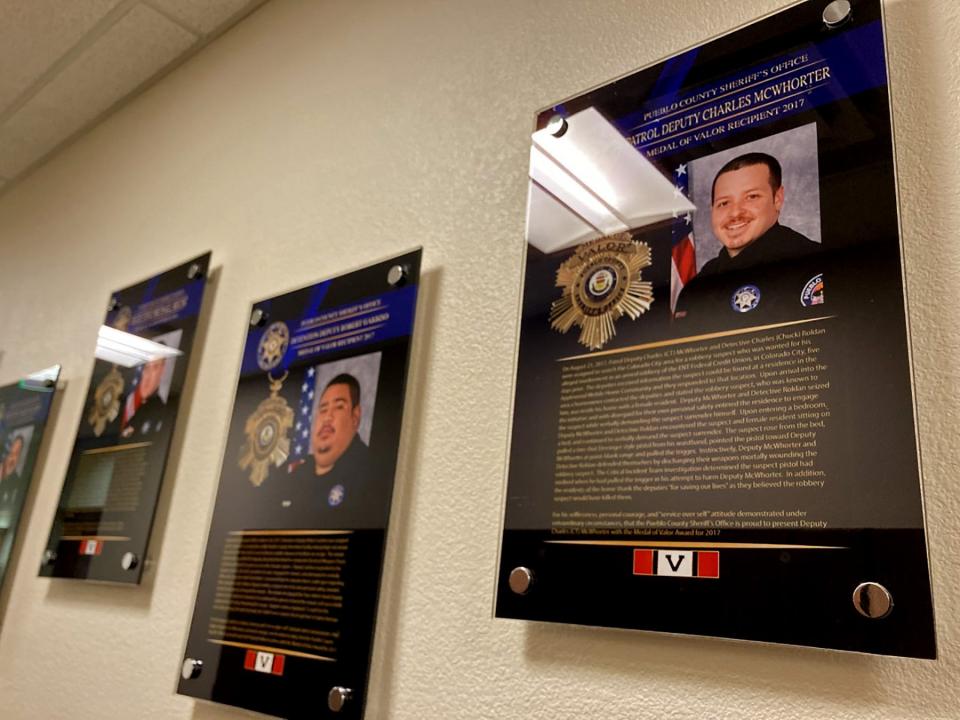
318,136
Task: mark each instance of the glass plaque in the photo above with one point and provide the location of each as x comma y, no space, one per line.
284,617
109,497
24,407
713,427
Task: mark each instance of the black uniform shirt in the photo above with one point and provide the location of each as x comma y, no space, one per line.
761,284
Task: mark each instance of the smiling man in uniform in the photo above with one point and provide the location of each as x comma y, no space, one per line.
747,274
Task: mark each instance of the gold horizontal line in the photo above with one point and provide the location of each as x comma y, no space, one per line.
116,448
290,532
695,338
684,544
276,651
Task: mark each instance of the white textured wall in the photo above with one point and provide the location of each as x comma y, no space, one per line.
318,136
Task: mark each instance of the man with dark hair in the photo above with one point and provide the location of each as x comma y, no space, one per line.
338,485
751,272
336,422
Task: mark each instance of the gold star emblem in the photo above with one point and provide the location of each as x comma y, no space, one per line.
601,283
266,430
106,401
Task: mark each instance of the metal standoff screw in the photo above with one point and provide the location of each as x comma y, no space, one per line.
338,697
837,13
258,318
397,275
113,304
129,561
50,557
557,126
872,600
194,271
521,579
191,669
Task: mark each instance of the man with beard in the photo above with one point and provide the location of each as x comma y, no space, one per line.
756,276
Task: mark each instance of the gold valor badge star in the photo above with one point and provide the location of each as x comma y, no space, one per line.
267,432
601,283
106,401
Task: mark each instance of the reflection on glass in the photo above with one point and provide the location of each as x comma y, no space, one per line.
591,171
128,350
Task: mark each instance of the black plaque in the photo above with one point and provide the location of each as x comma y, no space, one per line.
24,407
714,428
287,600
109,497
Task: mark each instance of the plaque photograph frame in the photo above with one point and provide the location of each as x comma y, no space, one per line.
286,605
714,346
105,515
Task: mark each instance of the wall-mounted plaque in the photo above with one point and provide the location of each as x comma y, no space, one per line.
713,427
24,407
109,497
285,610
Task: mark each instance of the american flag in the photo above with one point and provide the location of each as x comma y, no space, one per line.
684,256
132,405
302,425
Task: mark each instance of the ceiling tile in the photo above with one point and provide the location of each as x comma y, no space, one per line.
204,15
35,34
123,58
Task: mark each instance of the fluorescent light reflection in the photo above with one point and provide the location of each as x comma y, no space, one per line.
551,225
41,381
568,190
128,350
593,172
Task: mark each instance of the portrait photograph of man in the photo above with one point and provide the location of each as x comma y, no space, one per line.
144,409
332,469
12,462
757,224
